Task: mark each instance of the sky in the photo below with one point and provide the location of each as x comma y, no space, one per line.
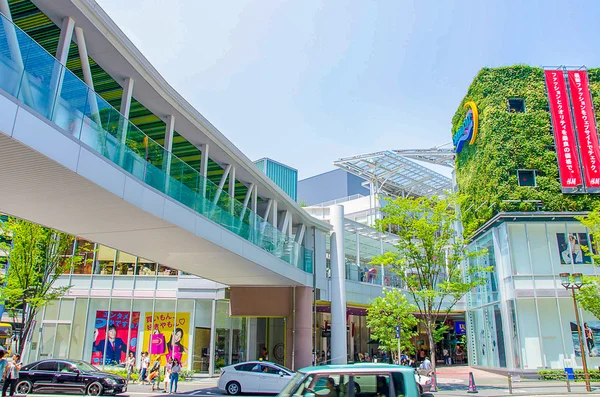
307,82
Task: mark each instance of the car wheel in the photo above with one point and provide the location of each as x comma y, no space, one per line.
420,390
233,388
95,389
24,387
356,388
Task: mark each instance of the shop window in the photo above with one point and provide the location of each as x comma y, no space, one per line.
516,105
526,178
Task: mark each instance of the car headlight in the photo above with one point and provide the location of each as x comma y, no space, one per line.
110,381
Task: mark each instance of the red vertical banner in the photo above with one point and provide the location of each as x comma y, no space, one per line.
585,123
564,136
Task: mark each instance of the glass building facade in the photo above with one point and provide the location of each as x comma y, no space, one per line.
119,304
523,318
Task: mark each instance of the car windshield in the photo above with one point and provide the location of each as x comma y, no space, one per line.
289,388
85,367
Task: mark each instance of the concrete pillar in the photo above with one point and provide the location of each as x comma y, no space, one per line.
303,328
204,169
213,338
87,74
64,41
62,54
168,145
339,350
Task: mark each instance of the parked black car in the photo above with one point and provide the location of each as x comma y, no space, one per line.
69,377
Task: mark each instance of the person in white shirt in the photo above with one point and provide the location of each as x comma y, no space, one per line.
11,375
426,364
145,363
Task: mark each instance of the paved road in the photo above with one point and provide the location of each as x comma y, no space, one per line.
448,387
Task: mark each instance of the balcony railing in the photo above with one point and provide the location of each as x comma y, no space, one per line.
32,75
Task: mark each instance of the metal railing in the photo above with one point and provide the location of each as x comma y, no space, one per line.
33,76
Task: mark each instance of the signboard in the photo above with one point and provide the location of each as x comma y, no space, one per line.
564,136
468,130
460,328
115,335
585,124
170,336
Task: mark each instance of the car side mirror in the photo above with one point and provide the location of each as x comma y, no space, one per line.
281,373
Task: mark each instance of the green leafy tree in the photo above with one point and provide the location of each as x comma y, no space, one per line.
37,257
385,313
588,295
429,258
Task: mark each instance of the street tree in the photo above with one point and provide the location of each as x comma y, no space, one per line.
385,313
37,256
429,256
588,296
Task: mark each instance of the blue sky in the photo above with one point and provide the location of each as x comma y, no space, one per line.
306,82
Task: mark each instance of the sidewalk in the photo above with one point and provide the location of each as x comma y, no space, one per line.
454,381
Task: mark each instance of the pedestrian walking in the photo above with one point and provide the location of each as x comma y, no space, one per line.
145,363
130,365
175,369
11,375
168,374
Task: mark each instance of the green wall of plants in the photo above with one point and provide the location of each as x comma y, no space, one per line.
486,171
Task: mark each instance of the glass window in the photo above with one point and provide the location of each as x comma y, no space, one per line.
398,378
145,268
125,264
372,384
166,271
66,367
245,367
47,366
79,325
516,105
85,250
105,260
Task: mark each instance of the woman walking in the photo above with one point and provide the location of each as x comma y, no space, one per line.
175,368
130,365
168,374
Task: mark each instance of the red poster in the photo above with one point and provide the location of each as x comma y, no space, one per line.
119,341
564,136
585,122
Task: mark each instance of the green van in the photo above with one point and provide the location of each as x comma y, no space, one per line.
356,380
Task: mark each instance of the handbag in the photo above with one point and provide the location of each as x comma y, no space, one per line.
157,344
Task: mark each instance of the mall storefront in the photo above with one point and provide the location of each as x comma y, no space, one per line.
118,303
523,318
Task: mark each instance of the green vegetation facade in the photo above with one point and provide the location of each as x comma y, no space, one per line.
510,140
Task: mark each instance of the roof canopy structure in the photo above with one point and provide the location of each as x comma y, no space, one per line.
439,155
394,174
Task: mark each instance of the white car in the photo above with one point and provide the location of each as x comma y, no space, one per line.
424,383
254,377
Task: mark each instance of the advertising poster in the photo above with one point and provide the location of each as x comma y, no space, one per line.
591,338
570,251
564,136
167,335
585,123
112,339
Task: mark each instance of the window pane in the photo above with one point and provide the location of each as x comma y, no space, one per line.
47,366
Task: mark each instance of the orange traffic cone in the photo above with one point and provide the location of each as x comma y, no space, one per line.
472,386
433,382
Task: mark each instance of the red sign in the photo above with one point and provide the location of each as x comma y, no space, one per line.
587,134
566,147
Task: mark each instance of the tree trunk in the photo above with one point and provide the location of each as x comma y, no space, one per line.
430,331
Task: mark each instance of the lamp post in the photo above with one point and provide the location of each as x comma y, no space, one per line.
565,280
